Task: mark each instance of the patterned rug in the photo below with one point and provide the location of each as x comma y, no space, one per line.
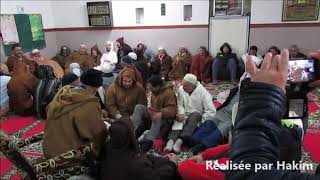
18,127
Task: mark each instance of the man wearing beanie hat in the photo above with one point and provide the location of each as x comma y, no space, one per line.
124,94
70,79
161,112
74,117
194,104
133,56
123,50
91,78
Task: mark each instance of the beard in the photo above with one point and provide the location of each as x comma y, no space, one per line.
108,50
127,86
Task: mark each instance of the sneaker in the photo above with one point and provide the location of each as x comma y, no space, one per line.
197,149
145,145
169,146
142,136
177,146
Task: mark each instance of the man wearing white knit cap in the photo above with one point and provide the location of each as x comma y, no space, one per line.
194,104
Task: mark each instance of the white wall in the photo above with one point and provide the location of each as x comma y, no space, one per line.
269,11
124,12
62,14
31,7
74,13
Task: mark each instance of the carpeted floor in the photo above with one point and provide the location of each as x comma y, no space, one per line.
18,128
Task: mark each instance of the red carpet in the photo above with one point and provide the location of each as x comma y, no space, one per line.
35,130
311,143
20,127
24,127
14,124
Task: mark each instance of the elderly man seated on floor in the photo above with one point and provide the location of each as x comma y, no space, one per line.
194,104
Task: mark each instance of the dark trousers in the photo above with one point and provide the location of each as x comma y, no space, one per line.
141,121
207,134
220,66
188,129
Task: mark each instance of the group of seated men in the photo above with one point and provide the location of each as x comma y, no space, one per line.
131,91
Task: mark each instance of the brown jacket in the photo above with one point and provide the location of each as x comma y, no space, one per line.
123,101
166,65
165,101
85,61
180,66
63,56
12,60
21,89
74,119
57,70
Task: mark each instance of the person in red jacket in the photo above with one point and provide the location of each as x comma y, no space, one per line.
196,166
201,65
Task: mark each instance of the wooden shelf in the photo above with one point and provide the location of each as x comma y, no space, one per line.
99,14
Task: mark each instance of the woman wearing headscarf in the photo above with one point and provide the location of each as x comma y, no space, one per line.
124,161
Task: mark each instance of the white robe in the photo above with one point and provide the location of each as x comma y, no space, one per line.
200,101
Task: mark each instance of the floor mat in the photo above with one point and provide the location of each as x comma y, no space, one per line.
19,127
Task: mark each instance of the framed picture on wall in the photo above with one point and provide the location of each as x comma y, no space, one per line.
300,10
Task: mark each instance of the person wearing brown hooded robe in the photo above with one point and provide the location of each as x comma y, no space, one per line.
21,88
19,55
124,94
123,160
74,117
165,62
180,65
96,55
127,62
82,58
63,56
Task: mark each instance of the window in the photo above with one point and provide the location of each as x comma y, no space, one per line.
163,9
139,15
187,12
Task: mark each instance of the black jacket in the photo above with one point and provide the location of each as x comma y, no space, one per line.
256,133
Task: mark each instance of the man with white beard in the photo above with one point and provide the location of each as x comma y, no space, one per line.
108,63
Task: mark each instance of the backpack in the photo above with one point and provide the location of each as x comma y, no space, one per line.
46,89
